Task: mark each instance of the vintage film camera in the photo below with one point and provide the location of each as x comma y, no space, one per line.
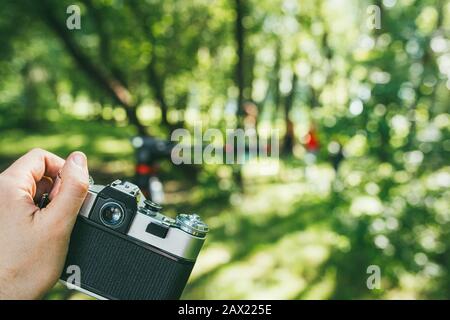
126,248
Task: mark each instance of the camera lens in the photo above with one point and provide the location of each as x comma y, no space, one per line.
112,214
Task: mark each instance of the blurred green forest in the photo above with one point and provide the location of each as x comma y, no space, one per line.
374,191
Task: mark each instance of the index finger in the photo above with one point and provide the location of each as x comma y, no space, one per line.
35,164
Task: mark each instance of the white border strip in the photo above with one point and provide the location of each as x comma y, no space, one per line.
94,295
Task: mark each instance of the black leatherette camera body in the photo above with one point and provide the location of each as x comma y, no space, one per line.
114,267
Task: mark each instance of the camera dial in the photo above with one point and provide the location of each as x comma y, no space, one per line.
192,224
150,205
112,214
150,208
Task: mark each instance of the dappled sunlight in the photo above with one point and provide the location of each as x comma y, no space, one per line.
263,258
262,202
322,287
409,287
22,143
212,256
110,145
366,205
261,169
105,171
107,154
281,270
319,179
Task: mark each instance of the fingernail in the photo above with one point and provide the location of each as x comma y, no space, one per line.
79,159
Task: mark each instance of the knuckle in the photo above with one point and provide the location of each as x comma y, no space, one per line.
37,151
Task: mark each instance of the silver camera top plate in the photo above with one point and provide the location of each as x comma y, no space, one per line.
185,235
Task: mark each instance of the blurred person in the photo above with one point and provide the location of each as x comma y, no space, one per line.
312,141
33,241
312,145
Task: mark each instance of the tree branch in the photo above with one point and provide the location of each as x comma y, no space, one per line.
112,86
155,80
105,41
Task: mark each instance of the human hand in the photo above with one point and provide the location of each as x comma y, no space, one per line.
33,241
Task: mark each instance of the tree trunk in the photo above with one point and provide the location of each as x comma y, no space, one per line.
30,99
154,79
240,51
276,75
156,83
240,79
288,143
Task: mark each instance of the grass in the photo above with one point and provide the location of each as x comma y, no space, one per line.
288,236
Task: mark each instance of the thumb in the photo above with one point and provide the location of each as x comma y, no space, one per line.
72,189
